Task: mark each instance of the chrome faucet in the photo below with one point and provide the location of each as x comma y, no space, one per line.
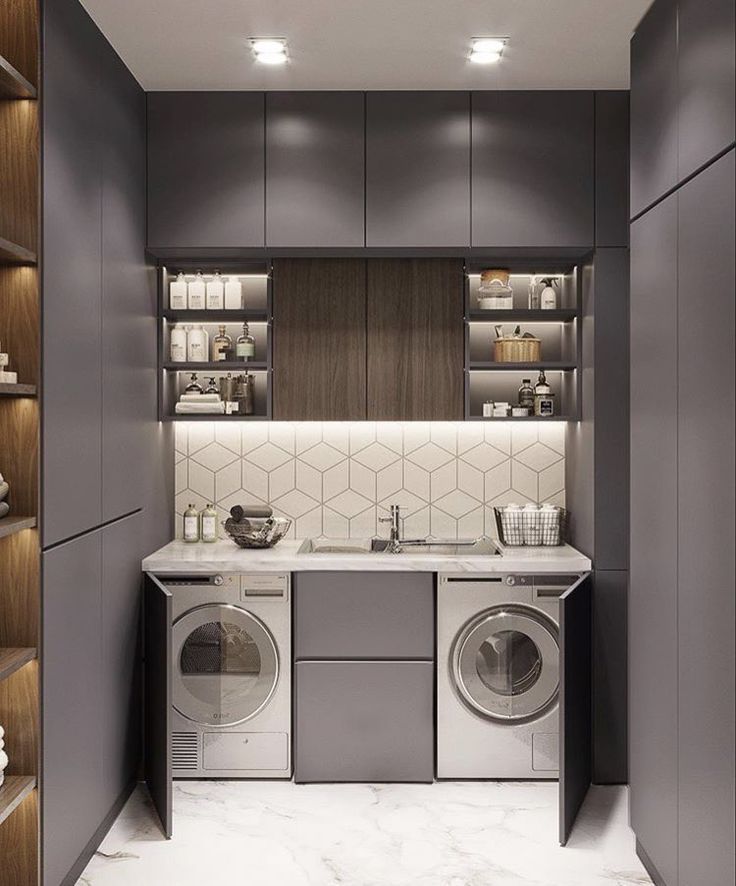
395,521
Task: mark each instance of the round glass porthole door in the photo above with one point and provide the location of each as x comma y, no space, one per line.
506,663
225,664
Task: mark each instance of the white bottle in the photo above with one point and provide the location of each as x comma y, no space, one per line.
233,294
196,293
178,344
548,298
197,345
178,293
215,293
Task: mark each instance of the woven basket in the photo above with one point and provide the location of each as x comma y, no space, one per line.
517,350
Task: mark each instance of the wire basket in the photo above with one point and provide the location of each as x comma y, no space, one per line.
257,532
516,527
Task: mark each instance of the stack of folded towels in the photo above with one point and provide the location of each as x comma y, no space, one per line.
190,404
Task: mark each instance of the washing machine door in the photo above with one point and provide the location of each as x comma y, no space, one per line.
505,663
226,665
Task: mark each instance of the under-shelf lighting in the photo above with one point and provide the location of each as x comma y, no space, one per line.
269,50
487,50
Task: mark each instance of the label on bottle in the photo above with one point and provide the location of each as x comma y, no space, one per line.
196,352
209,528
191,529
178,295
244,350
178,352
196,295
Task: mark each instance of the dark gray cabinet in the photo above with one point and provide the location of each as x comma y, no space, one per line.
72,387
315,169
653,633
612,168
73,798
706,78
206,172
654,100
417,169
532,178
706,482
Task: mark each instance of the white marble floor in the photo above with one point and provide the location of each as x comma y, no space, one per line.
445,834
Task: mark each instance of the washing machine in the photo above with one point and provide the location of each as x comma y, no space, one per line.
498,668
231,675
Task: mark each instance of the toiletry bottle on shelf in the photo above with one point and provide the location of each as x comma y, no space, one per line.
526,394
233,294
194,387
221,344
178,293
215,293
245,345
212,387
533,293
196,293
197,341
209,524
548,297
178,344
541,387
191,524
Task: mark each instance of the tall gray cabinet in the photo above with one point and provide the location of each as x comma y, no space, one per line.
683,482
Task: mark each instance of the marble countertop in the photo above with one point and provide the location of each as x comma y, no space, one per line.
226,556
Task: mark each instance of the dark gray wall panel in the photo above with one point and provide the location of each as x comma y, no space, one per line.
612,168
653,545
71,426
315,169
706,456
707,80
532,179
417,169
128,328
654,105
72,797
206,169
610,684
364,721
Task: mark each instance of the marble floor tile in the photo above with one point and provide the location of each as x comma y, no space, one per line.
445,834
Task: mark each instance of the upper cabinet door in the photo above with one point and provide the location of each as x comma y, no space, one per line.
418,169
533,169
415,339
612,168
206,169
707,97
654,105
315,178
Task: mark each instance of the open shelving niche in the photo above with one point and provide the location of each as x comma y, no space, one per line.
559,330
256,278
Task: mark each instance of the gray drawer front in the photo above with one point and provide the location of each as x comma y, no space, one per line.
364,721
353,615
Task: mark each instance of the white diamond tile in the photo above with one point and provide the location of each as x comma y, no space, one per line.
471,525
553,435
283,435
538,457
389,480
294,504
268,456
179,457
551,480
309,525
334,525
362,480
337,435
443,480
201,434
282,480
444,435
214,456
255,481
409,503
227,480
308,480
498,435
321,457
469,436
442,525
430,457
229,436
335,480
307,435
416,435
181,475
484,457
363,525
525,482
391,435
349,503
375,456
362,434
181,437
523,435
416,525
456,503
202,481
470,480
498,481
253,435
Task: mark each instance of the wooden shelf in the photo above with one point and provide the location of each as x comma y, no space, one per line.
12,254
13,792
562,315
222,316
12,659
221,366
17,390
549,366
12,83
10,525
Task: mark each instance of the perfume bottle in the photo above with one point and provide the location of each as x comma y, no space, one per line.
221,344
215,294
245,345
196,293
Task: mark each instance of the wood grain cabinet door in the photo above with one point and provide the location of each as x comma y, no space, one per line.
415,340
319,339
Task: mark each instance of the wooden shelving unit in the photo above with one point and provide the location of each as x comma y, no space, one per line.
19,431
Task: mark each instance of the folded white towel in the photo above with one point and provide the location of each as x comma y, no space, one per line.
200,408
199,398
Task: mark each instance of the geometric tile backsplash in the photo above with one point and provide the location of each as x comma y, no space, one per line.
335,479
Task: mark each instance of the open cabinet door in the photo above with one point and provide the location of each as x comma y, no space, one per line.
575,701
157,613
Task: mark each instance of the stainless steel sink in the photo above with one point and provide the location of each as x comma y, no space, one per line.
481,547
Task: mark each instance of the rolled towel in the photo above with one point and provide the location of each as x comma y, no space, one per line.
239,513
199,398
200,408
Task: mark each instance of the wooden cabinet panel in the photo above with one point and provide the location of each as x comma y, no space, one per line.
415,339
315,169
418,169
706,457
654,105
319,339
206,172
707,81
653,658
532,178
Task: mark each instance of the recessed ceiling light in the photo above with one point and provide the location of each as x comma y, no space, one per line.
269,50
487,50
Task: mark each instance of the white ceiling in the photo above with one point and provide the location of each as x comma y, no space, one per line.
372,44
